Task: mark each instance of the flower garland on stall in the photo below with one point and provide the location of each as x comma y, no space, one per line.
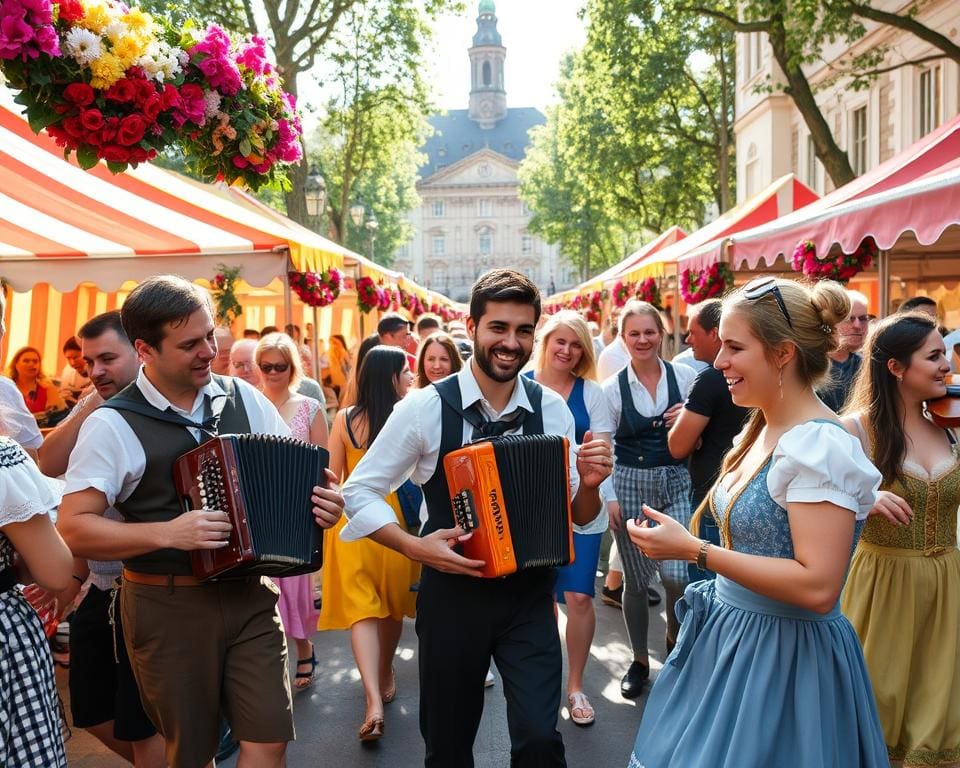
841,267
223,287
112,82
621,293
649,291
316,290
369,296
697,286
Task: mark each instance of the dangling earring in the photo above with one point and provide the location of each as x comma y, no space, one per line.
900,379
781,383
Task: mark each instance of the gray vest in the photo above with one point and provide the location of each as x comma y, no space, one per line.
155,500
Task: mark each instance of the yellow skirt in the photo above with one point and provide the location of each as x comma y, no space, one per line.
364,580
906,609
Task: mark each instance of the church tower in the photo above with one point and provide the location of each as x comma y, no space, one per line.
488,99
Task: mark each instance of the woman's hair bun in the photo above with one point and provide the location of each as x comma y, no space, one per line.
831,302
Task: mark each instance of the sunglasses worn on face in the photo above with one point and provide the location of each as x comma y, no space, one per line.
271,367
764,286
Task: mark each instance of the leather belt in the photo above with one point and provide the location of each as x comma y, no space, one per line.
160,579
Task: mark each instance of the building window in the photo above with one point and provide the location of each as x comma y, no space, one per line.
929,100
487,75
438,209
812,164
525,209
484,208
403,252
752,53
858,140
752,171
486,242
526,244
439,245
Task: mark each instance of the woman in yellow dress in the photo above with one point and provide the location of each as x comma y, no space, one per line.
366,586
903,592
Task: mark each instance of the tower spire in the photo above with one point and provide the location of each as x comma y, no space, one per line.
488,98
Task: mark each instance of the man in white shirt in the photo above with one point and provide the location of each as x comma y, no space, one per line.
74,378
613,359
462,620
196,648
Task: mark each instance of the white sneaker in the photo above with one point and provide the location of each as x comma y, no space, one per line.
488,682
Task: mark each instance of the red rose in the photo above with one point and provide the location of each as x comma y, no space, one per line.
91,119
140,155
74,128
145,89
122,91
151,108
131,131
79,94
110,128
115,154
169,98
71,10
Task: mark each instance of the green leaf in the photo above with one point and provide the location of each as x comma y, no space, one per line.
245,148
86,157
116,167
40,116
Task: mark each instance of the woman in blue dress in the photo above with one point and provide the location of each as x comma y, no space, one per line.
766,670
564,361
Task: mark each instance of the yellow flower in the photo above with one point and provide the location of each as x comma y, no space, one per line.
138,21
96,17
106,71
128,49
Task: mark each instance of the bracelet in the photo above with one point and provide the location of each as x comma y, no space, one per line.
78,578
702,554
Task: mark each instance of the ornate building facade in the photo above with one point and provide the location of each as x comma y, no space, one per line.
471,217
900,106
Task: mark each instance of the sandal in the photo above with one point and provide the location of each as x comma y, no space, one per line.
578,702
303,680
391,693
372,728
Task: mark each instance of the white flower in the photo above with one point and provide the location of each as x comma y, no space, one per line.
160,62
83,45
212,99
116,31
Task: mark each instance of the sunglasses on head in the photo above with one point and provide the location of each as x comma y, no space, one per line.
765,286
271,367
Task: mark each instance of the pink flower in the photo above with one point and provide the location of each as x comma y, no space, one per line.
253,55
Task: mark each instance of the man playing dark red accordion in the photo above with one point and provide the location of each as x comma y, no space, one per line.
196,648
463,620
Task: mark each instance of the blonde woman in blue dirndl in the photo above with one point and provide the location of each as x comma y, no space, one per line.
767,671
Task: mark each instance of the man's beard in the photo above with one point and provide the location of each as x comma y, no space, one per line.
483,356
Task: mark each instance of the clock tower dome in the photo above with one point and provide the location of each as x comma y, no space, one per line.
488,98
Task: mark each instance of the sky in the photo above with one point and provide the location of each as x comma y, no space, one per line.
536,34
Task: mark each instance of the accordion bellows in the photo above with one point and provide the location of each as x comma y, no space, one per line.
264,484
513,494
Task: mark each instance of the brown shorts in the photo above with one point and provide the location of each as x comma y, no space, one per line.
201,650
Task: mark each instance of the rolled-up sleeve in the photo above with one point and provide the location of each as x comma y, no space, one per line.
386,464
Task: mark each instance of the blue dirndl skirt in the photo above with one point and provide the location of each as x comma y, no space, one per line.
756,682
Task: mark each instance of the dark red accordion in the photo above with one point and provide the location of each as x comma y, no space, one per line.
264,484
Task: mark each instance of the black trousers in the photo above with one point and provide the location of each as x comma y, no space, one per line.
462,622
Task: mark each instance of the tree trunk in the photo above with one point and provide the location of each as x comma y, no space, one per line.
296,198
723,140
835,160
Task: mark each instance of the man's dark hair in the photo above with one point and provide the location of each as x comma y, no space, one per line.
916,302
71,343
158,301
95,327
503,285
392,322
708,314
268,329
427,324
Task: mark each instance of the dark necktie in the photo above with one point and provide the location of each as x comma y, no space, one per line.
212,408
483,429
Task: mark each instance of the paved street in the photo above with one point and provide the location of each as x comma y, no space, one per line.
328,715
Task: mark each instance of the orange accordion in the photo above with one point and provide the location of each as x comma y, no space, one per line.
264,484
513,494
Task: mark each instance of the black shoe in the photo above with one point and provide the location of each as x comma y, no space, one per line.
653,597
632,683
612,597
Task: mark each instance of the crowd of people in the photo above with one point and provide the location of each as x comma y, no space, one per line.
779,476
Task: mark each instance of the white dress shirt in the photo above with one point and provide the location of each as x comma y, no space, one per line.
409,446
646,405
108,455
17,422
614,357
686,358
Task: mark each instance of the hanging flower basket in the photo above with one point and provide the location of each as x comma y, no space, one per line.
368,294
649,291
112,82
621,293
223,287
316,290
697,286
841,267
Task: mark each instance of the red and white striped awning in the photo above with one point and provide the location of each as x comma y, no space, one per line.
929,156
64,226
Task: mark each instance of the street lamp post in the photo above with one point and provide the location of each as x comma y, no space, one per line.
315,197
